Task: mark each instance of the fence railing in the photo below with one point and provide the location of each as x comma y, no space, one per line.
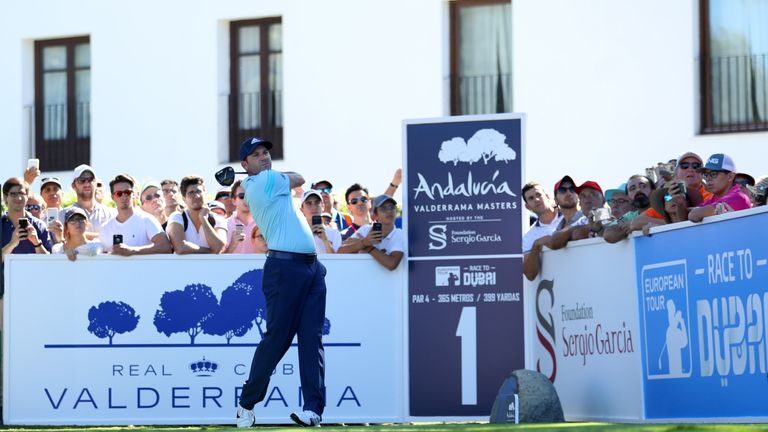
735,93
481,94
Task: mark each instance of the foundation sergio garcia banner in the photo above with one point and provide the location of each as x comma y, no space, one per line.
703,305
463,179
169,340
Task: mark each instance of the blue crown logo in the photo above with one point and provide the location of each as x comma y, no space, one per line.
204,367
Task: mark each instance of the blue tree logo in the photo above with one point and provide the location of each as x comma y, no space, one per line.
242,304
185,311
110,318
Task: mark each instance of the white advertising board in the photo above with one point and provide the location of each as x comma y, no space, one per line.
585,317
110,340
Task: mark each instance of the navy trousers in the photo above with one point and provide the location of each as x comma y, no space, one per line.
295,293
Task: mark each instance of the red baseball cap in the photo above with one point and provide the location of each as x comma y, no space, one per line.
591,185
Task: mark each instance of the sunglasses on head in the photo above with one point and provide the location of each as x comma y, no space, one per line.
123,193
563,189
32,207
324,190
361,200
686,165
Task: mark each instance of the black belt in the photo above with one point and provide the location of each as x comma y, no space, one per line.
308,258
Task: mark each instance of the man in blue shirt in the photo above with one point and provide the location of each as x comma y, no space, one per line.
293,284
31,239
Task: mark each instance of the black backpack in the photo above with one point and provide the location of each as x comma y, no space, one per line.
211,220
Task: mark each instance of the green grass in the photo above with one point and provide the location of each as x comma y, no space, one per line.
429,427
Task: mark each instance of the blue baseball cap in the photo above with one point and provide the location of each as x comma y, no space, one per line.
719,162
249,145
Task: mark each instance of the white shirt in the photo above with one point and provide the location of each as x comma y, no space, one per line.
193,235
100,215
391,243
138,230
334,236
539,230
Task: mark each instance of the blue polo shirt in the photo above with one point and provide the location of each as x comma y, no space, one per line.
268,195
25,246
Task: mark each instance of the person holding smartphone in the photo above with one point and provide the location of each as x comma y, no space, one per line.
243,236
327,239
22,232
381,239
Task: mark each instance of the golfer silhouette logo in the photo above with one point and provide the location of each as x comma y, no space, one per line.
675,341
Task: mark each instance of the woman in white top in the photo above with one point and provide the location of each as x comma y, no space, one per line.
74,241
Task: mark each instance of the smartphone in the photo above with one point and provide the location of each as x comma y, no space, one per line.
52,215
239,229
681,186
24,223
317,220
33,163
117,239
376,226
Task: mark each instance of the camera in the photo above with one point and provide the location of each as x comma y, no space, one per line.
601,215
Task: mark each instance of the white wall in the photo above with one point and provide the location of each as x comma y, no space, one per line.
610,87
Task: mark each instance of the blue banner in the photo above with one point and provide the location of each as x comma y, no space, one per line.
703,300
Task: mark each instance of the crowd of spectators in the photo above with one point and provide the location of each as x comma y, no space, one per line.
684,189
183,218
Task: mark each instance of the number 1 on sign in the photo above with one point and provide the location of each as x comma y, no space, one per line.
467,331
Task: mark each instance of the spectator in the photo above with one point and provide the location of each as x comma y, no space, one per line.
719,174
32,172
539,234
50,190
98,191
567,200
590,199
325,188
224,196
31,239
218,208
619,201
173,201
36,206
327,239
760,191
397,178
639,189
747,183
359,206
74,242
84,184
243,236
141,233
686,171
386,246
666,204
196,230
153,203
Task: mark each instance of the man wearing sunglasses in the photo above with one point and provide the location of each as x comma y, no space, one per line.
224,196
342,220
567,200
141,232
359,206
243,236
293,284
84,184
719,174
153,202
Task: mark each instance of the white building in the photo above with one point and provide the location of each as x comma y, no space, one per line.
609,87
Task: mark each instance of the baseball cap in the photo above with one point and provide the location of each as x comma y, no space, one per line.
589,184
689,155
750,180
217,205
247,146
622,189
150,184
565,178
81,169
74,211
309,193
46,180
222,191
719,162
381,199
314,185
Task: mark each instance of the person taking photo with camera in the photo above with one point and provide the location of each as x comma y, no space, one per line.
22,232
